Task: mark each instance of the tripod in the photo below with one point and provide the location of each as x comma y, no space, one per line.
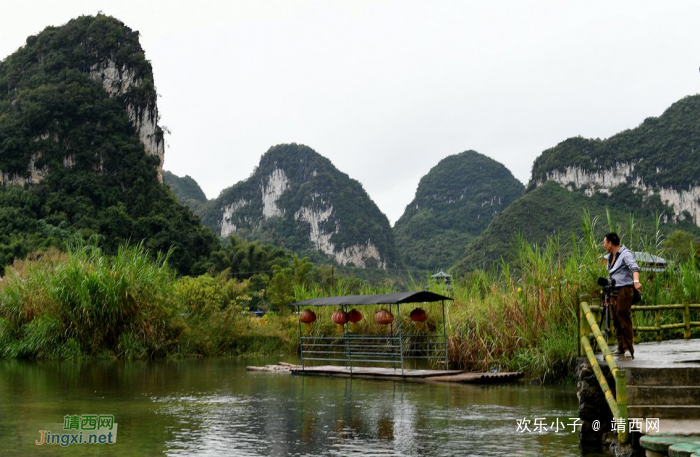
604,323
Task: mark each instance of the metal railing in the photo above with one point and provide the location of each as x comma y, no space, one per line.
394,348
391,349
617,403
686,325
589,316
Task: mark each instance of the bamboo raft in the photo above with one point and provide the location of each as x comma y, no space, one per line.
281,367
455,376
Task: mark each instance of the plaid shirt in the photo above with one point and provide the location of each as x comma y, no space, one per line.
621,266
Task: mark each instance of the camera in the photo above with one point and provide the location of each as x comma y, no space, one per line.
607,284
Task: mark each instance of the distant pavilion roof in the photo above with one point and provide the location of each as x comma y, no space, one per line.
648,262
441,274
645,257
382,299
649,258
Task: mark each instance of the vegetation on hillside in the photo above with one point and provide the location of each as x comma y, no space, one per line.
454,203
551,210
98,179
313,183
186,190
664,150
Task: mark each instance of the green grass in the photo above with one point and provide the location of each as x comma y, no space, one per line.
518,316
85,303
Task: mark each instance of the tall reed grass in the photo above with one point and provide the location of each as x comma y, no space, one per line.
523,316
520,316
85,303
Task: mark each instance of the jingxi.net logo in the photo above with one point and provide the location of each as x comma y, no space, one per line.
85,429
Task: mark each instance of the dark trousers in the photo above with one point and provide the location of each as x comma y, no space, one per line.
622,318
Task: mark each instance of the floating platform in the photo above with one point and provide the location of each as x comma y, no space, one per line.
454,376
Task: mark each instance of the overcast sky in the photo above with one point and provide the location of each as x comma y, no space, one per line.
386,89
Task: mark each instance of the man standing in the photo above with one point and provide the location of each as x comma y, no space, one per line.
623,268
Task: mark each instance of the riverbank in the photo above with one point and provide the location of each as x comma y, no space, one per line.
84,304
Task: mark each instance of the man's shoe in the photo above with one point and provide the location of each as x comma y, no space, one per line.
629,355
618,351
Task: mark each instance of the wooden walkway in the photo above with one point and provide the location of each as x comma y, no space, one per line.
663,381
454,376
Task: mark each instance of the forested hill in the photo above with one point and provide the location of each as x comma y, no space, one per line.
648,172
297,199
81,152
454,203
186,190
659,158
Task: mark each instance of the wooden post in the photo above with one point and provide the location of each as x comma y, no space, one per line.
444,334
301,340
581,322
686,319
398,318
599,338
581,329
658,325
602,382
621,398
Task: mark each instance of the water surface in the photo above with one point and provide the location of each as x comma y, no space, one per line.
215,407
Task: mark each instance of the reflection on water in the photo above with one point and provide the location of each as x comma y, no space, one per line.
210,407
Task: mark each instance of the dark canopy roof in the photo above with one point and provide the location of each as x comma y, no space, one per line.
384,299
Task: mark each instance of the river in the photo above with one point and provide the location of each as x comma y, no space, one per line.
215,407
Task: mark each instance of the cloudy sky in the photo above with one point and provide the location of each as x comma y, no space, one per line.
386,89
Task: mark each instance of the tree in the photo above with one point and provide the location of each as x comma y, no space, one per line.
682,245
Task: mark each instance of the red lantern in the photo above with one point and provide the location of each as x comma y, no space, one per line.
355,316
418,315
340,317
307,316
383,317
